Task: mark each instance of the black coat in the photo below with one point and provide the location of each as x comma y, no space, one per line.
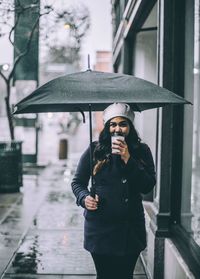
117,227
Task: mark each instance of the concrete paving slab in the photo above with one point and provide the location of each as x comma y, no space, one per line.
8,244
29,276
19,217
3,211
9,198
51,217
52,252
3,264
139,277
139,269
79,277
58,211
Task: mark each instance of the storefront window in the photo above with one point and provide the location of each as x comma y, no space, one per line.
145,66
190,208
195,193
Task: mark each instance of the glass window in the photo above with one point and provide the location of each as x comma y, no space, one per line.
145,66
118,14
151,20
195,193
190,206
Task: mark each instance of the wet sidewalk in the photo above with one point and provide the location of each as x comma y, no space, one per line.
41,228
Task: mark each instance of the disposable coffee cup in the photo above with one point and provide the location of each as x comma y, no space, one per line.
114,138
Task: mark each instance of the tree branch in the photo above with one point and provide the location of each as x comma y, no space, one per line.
27,47
13,29
4,77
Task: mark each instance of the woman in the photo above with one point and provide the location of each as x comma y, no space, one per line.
114,230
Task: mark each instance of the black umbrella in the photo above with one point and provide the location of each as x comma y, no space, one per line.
91,90
75,91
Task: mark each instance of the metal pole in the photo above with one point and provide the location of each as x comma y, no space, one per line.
92,190
89,62
37,128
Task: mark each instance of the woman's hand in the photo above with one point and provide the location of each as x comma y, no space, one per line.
123,149
91,203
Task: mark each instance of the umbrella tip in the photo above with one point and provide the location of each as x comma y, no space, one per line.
88,63
82,112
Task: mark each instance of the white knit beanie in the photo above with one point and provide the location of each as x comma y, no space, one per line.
118,109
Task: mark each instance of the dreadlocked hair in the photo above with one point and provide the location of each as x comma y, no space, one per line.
102,151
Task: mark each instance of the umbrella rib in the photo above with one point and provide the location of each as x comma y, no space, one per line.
81,111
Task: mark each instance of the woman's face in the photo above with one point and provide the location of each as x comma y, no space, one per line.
119,124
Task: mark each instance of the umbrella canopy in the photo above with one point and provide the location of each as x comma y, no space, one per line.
91,90
74,92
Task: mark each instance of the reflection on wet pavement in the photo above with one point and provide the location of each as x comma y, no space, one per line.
51,252
54,239
58,211
27,263
14,221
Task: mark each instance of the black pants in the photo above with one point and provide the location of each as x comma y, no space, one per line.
114,267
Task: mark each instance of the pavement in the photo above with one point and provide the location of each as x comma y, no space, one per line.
41,227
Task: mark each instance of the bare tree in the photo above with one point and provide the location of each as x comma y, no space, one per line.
10,15
76,19
66,33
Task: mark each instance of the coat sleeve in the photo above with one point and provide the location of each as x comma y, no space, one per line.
81,178
141,172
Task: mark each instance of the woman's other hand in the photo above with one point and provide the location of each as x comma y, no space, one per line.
91,203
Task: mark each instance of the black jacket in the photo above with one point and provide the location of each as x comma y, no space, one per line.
118,226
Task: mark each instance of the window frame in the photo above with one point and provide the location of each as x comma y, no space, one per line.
182,239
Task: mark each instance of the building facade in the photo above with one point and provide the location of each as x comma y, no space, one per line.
160,42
